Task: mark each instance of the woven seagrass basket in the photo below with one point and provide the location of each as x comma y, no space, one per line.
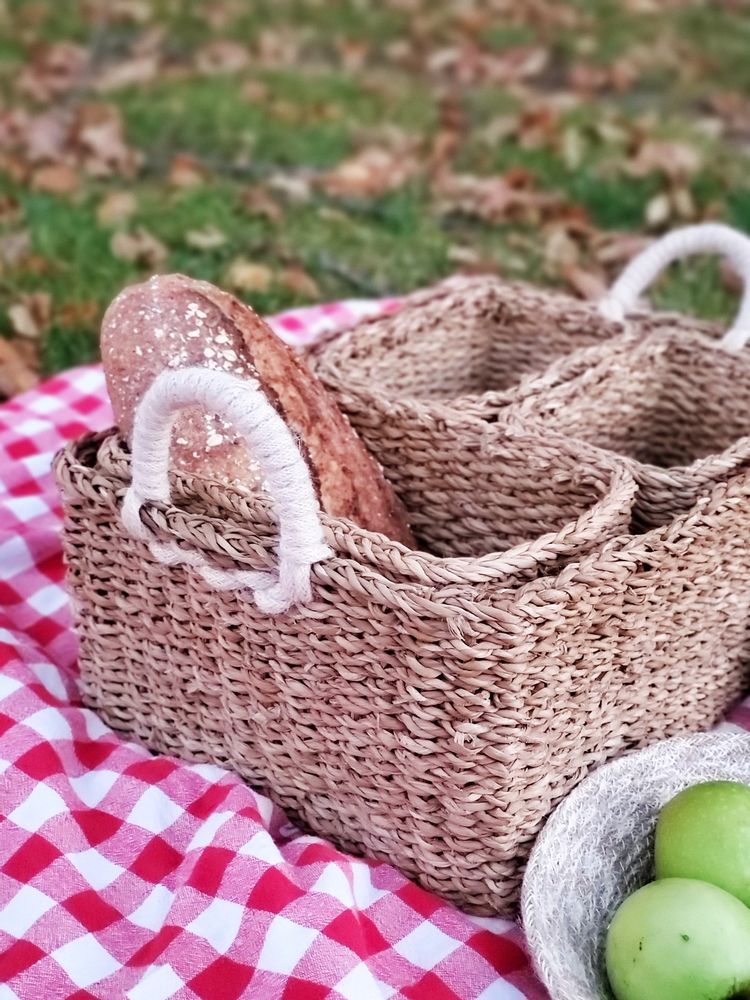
429,708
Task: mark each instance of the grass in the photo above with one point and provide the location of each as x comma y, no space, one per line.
326,79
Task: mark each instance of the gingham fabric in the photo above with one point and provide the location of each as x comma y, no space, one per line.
123,874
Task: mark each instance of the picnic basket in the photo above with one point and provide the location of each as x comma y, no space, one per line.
426,707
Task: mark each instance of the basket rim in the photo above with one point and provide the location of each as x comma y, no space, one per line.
462,586
328,354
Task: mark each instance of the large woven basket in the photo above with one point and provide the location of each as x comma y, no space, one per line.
430,708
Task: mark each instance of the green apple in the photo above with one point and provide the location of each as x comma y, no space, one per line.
704,833
680,939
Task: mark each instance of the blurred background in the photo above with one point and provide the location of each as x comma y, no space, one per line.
304,150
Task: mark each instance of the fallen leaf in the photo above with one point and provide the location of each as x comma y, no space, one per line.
521,62
31,314
55,178
674,159
222,56
138,11
683,203
244,276
258,201
185,171
588,284
496,198
370,172
207,238
255,91
77,314
466,256
54,69
296,187
44,137
561,252
15,247
353,53
614,250
16,373
116,207
100,138
140,69
587,79
658,210
139,247
297,280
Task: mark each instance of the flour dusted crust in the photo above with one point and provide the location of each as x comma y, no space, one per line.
172,321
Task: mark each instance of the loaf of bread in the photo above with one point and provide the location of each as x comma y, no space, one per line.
172,321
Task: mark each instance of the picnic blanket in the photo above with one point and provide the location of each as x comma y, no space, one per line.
124,874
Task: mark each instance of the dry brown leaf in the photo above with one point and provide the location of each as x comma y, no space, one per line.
15,247
244,276
296,187
116,207
587,79
588,284
77,314
674,159
494,199
521,62
730,279
31,314
297,280
658,210
353,53
43,138
140,69
561,251
255,91
207,238
100,138
139,247
614,250
370,172
222,56
17,374
185,171
258,201
54,69
55,178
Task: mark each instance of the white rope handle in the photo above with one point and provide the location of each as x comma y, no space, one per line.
242,403
711,237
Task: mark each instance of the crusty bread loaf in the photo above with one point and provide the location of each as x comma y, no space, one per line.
173,321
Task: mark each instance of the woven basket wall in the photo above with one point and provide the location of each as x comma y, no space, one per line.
430,709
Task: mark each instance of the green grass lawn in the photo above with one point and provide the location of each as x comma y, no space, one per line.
589,108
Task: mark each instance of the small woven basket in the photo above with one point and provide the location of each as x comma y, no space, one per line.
597,848
430,708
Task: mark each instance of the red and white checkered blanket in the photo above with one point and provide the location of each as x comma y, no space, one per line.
128,875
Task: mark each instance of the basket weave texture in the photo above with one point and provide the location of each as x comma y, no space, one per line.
429,707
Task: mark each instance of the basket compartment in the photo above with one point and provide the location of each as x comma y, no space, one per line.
676,407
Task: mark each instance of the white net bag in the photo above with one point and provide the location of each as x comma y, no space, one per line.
597,848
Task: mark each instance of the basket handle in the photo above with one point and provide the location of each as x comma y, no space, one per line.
710,237
242,403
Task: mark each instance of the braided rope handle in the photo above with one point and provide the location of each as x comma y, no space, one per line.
242,403
710,237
